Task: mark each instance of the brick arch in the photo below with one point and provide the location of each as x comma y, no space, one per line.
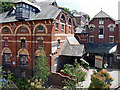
34,29
21,26
37,53
23,52
6,50
7,27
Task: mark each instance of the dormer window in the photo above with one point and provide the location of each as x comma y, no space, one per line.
25,10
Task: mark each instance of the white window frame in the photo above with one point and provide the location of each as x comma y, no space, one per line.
101,21
90,39
111,37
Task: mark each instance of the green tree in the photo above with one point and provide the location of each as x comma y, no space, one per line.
7,5
66,9
76,74
41,70
88,18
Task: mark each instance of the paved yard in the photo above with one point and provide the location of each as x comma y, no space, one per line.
115,74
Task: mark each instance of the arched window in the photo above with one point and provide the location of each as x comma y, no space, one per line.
22,29
6,29
69,21
111,28
7,59
91,28
24,60
62,17
40,28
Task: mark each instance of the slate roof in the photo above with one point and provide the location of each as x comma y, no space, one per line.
102,14
48,11
71,47
29,3
99,47
78,14
80,30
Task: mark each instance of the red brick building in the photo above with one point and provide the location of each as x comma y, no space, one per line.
29,27
103,29
103,40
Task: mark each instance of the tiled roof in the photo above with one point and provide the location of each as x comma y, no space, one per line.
71,47
80,30
99,47
102,14
48,11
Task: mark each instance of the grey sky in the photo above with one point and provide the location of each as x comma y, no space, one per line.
91,7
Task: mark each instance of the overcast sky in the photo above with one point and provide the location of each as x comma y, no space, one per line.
91,7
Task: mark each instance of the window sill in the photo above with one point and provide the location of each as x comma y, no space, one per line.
40,31
6,45
56,29
58,47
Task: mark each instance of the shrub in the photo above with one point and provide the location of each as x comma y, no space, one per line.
101,80
77,74
22,83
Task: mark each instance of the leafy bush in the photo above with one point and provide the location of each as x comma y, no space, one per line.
22,83
77,74
101,80
6,77
85,65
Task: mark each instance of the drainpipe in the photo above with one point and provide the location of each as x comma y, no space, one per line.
32,47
